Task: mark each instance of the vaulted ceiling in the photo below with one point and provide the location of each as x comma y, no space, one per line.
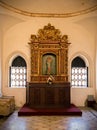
9,10
61,8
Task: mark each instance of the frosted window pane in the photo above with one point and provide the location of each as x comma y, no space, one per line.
17,83
24,77
79,82
21,83
79,76
13,83
24,70
13,76
83,71
75,70
21,70
17,70
75,82
72,76
72,70
83,77
79,70
75,76
13,70
24,83
72,82
18,76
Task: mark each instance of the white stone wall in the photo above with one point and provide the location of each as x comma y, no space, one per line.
14,40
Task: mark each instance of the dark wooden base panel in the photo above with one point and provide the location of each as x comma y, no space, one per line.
42,95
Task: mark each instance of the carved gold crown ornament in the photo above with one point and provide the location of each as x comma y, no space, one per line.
49,33
49,55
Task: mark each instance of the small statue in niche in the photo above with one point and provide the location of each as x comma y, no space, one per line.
49,64
50,79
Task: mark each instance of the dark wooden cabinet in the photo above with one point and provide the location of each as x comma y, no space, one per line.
42,95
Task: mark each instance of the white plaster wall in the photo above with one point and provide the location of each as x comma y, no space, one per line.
1,37
16,41
96,64
0,61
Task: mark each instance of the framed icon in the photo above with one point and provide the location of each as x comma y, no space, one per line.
49,64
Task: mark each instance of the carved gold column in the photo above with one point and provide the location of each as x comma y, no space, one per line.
34,58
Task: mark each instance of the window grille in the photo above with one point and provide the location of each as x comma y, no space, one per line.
18,73
79,76
79,73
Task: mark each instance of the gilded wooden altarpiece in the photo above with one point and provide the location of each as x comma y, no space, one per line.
50,48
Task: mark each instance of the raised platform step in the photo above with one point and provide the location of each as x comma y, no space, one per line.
71,111
95,106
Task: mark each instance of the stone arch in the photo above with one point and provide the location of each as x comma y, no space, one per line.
9,60
88,63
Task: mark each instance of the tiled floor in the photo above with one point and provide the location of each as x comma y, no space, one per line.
88,121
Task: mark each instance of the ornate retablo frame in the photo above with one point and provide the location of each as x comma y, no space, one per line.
49,43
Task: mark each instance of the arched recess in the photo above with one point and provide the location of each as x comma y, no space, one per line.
9,60
88,63
18,73
19,61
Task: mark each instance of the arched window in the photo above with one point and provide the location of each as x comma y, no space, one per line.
18,73
79,73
